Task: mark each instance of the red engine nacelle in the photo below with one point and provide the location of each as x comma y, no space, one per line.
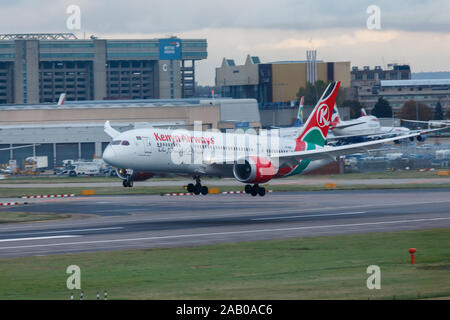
134,175
254,170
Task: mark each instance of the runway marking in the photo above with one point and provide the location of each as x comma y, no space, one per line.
177,215
311,216
63,231
38,238
225,233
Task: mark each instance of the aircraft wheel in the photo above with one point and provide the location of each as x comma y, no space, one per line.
190,187
262,192
254,191
130,184
248,188
125,183
204,190
197,189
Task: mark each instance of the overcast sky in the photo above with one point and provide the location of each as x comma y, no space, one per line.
415,31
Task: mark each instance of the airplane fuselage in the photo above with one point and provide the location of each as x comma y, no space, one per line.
362,125
205,153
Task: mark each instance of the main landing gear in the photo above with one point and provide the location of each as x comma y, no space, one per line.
128,183
255,190
197,188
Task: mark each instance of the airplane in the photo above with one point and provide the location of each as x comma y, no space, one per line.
366,128
249,158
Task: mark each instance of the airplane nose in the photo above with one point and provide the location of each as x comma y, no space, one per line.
108,155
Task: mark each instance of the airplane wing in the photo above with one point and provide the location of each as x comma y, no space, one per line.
329,152
386,134
431,122
19,147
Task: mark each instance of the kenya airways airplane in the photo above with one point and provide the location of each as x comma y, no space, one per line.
250,158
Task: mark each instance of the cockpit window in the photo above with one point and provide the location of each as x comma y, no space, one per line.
125,143
116,142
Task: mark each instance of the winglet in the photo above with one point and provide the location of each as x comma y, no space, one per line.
110,131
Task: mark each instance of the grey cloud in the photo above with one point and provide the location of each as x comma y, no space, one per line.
170,16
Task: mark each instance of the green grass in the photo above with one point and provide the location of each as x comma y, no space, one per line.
368,175
308,268
18,192
16,217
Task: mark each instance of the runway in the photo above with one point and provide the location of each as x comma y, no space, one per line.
137,222
305,180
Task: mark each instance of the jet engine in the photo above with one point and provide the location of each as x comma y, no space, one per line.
254,170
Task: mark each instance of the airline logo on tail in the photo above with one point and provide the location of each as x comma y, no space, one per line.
299,120
322,116
316,127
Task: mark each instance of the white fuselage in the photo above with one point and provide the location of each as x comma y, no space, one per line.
362,125
189,152
367,125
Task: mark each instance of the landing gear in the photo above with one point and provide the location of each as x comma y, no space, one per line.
128,183
197,188
255,190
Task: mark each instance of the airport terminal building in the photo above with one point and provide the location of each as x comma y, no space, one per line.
276,84
37,68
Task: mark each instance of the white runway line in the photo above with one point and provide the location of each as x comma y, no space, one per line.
311,216
38,238
64,231
225,233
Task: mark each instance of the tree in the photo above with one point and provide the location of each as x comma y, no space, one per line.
413,110
438,113
382,109
355,108
312,93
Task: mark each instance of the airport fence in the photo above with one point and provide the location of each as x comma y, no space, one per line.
409,156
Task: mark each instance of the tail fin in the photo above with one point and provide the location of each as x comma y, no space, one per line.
335,118
363,112
316,127
62,99
299,120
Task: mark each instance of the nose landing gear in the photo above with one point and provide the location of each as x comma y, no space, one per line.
197,188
